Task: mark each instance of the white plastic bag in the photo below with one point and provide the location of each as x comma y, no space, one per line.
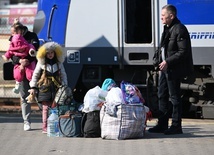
93,98
115,96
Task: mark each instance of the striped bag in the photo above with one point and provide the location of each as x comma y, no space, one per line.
129,122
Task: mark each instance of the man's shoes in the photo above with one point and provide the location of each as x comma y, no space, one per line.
157,129
27,126
173,130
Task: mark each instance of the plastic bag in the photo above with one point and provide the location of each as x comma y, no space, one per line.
93,98
131,93
115,96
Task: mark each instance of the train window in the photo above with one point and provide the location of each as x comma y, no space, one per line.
138,21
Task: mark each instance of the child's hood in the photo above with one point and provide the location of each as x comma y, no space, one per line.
50,46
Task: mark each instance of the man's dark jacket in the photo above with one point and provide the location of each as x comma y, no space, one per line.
178,51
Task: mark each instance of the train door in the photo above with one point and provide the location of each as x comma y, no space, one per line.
140,31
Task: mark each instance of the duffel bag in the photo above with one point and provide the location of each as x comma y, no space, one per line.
70,124
91,127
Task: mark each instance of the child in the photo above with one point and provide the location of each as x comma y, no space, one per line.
21,48
47,77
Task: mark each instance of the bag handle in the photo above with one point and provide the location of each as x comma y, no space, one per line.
84,117
55,103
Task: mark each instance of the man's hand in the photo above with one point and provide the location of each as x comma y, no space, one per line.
163,66
24,62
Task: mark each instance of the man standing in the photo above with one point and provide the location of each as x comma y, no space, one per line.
176,64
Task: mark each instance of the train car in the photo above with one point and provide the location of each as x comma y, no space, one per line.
117,39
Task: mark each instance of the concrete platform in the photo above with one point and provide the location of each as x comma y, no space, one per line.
198,139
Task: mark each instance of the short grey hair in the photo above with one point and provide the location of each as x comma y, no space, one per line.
170,9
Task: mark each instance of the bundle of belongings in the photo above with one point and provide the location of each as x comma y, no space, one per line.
123,115
113,112
93,102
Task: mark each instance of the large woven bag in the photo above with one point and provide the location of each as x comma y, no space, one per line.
129,122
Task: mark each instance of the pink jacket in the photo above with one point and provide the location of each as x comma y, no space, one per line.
18,47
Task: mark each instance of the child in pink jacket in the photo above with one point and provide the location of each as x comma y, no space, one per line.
21,48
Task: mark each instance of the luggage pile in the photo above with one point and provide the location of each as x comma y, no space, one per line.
109,112
122,114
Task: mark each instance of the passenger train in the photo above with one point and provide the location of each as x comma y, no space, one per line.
117,39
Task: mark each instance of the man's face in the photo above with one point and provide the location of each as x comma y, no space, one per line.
166,17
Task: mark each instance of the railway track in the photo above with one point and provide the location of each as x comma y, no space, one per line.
10,102
12,105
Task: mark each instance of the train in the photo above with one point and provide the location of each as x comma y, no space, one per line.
117,39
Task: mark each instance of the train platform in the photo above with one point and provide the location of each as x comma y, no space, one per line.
197,139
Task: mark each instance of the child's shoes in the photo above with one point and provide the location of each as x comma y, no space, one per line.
16,89
44,131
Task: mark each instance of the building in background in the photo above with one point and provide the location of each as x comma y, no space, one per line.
25,10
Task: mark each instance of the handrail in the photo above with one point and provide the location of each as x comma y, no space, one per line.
50,21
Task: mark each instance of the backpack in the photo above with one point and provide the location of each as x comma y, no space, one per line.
63,95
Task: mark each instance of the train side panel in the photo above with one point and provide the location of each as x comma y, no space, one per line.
117,39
